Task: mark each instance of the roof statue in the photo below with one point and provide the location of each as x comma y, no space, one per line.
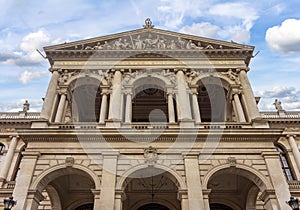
148,23
278,105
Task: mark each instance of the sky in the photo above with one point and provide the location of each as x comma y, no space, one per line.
272,26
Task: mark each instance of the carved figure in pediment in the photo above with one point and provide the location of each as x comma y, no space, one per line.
161,43
88,48
172,45
181,42
209,47
118,44
126,45
138,43
98,46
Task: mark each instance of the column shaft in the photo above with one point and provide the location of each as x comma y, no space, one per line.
183,98
60,109
107,195
193,181
239,108
103,109
171,112
196,110
50,95
249,96
24,179
128,111
295,150
115,99
8,158
279,182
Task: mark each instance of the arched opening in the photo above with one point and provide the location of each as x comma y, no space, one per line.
149,103
86,100
88,206
151,188
2,148
285,163
213,102
218,206
68,189
233,188
153,206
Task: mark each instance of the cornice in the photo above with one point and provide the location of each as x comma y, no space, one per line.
232,135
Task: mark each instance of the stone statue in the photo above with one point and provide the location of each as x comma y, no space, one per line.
278,105
26,106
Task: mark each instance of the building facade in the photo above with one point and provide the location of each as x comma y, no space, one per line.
150,119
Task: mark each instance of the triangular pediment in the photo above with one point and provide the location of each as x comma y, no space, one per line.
148,39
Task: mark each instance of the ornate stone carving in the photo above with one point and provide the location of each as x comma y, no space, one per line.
232,161
150,154
149,41
148,23
232,75
70,161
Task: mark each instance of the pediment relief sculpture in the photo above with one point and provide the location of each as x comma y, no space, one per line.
147,41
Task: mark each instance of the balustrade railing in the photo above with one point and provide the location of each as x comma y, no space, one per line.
19,115
294,184
281,115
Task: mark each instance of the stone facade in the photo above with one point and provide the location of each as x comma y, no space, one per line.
150,119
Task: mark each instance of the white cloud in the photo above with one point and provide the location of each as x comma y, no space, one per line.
17,105
27,76
36,40
289,96
238,10
286,37
204,29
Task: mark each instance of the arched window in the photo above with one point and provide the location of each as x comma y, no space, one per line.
2,148
285,165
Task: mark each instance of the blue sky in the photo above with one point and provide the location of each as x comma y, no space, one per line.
272,26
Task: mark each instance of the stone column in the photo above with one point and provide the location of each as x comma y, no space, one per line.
128,110
115,99
183,197
96,194
61,107
270,200
183,100
24,179
295,149
9,157
118,200
239,108
103,108
196,110
171,112
50,95
277,177
249,96
206,198
108,182
195,197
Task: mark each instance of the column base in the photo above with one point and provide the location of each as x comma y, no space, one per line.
113,123
186,123
40,124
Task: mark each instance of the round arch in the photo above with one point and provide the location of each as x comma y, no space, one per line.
175,177
60,170
196,80
164,79
161,202
248,172
97,79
